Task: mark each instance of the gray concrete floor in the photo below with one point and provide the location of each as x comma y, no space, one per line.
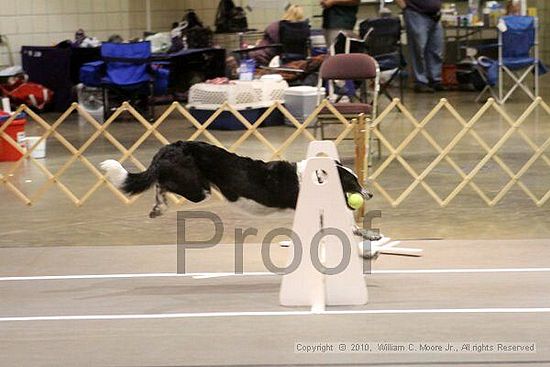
474,303
104,236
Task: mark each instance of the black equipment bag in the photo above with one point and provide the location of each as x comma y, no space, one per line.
195,33
230,18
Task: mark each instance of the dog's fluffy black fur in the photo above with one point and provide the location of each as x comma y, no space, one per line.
190,169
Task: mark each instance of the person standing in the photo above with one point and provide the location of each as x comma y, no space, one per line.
425,42
338,16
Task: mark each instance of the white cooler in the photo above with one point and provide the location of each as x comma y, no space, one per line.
301,101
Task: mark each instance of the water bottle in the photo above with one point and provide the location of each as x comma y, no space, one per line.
247,69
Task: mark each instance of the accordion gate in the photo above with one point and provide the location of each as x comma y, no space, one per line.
443,153
365,132
51,130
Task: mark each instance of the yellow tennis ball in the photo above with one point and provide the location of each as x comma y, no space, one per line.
355,200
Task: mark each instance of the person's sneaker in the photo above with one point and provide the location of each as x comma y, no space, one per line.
423,88
438,87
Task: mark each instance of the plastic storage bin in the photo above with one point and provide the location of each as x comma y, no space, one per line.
302,101
90,99
250,98
237,92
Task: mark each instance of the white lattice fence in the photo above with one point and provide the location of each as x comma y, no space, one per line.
395,152
52,130
490,151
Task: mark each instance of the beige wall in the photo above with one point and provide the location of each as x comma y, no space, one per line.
259,18
46,22
543,10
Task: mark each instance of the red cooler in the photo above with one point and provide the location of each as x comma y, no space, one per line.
16,130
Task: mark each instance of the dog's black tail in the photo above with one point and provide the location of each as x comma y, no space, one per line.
136,183
130,183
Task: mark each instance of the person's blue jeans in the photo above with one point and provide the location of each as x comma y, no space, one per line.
425,45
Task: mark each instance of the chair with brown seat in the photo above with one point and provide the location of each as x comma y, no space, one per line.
361,68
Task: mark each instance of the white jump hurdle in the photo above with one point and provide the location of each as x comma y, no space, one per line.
318,212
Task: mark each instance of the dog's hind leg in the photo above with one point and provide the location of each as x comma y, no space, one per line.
161,202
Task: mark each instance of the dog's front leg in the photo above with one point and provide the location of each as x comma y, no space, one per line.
161,203
367,234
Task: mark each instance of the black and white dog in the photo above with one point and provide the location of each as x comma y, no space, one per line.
191,169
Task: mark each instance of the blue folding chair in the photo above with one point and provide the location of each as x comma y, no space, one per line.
127,75
518,56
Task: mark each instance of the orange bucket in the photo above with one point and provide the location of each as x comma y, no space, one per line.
16,130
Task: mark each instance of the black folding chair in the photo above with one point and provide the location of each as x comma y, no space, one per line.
294,38
293,42
383,42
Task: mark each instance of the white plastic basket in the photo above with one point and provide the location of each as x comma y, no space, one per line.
274,90
267,90
217,94
238,92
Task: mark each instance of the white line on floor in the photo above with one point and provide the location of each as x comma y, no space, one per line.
465,271
278,313
128,275
220,274
90,276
